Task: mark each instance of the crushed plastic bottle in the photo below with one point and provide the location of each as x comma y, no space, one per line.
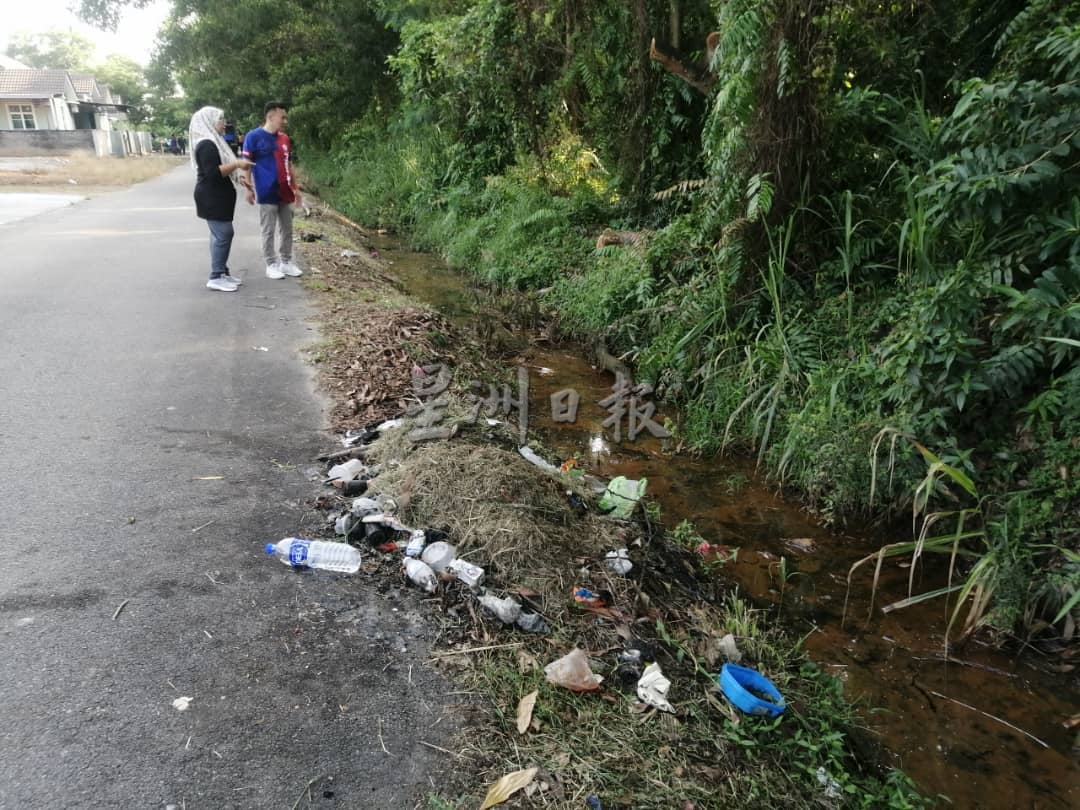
347,470
618,562
529,455
532,623
439,555
420,573
355,487
299,552
364,506
506,610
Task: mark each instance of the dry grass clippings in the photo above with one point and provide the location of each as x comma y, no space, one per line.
87,172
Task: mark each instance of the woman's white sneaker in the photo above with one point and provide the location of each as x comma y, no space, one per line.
221,285
274,271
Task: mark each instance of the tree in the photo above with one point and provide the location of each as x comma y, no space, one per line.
125,78
325,58
106,13
56,49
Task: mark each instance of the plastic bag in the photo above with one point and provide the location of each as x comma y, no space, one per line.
653,688
505,610
618,562
621,497
572,672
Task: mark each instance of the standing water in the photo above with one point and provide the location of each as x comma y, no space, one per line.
979,726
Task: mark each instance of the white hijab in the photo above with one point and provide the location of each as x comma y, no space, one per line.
203,127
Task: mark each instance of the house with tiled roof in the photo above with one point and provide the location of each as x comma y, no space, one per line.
98,107
43,110
37,99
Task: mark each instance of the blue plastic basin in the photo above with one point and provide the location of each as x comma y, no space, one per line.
736,680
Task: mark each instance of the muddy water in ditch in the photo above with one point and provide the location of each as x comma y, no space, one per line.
1005,747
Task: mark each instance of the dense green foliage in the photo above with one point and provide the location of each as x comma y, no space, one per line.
870,221
324,57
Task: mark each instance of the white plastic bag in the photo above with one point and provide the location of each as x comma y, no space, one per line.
653,688
572,672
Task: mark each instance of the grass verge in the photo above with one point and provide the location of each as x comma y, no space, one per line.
538,547
79,172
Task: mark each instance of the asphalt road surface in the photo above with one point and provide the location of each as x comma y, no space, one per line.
14,207
148,451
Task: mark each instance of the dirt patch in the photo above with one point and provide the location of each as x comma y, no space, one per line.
374,334
81,173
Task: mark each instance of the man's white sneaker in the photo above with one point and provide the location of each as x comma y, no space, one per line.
274,271
290,269
232,279
221,285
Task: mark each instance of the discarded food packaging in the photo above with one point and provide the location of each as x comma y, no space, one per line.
653,688
572,672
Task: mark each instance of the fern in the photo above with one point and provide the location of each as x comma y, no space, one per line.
1013,369
1035,11
589,77
785,69
682,189
540,216
759,196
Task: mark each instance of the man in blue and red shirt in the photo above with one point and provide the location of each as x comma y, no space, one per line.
275,188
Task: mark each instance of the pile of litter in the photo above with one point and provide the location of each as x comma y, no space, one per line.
508,538
532,568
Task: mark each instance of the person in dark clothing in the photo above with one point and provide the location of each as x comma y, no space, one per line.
218,174
231,138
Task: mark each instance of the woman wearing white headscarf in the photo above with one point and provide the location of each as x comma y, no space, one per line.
219,173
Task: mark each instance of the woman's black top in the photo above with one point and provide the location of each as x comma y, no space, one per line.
215,196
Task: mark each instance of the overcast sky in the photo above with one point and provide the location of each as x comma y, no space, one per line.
134,36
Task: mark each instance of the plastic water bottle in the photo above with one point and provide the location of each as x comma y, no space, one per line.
421,574
300,552
417,539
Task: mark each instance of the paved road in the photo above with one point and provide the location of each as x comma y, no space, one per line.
15,206
125,382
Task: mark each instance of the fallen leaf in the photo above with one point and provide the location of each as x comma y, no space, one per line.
804,544
507,787
525,710
526,662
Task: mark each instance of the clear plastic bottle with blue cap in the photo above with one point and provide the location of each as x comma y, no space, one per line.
299,552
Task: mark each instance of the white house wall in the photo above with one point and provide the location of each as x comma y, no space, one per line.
50,114
61,114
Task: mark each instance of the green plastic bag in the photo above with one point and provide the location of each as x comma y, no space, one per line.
621,497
